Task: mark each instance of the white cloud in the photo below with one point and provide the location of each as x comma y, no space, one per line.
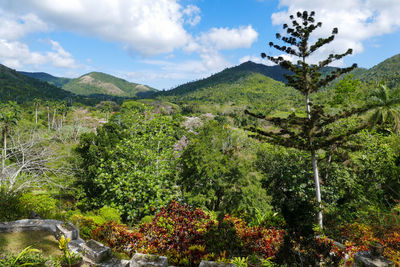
357,21
17,55
148,27
144,27
14,27
192,13
209,44
59,57
225,38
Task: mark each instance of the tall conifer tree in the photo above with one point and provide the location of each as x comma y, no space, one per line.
307,133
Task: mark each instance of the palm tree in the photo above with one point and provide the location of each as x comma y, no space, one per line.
385,106
10,114
36,103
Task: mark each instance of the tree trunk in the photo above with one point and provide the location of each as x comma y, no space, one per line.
315,168
36,115
317,187
3,160
48,117
54,118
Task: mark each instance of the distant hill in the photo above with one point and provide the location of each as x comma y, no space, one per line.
388,71
18,87
231,75
235,87
101,83
45,77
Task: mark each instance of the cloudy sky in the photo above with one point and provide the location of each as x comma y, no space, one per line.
164,43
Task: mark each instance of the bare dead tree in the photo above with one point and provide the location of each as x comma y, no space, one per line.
30,164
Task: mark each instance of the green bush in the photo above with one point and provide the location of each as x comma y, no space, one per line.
87,222
10,207
222,238
110,214
43,205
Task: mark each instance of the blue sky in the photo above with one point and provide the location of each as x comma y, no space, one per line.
164,43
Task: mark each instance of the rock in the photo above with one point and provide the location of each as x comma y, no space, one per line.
95,251
365,259
68,230
147,260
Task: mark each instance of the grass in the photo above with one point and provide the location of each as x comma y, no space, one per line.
42,240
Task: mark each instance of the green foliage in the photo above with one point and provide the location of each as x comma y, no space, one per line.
309,251
129,163
222,238
213,172
224,96
386,105
42,204
87,222
187,235
27,257
110,214
290,185
345,92
20,88
86,225
20,206
387,71
10,207
69,257
239,261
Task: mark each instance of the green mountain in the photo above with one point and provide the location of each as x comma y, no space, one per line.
233,88
45,77
388,71
18,87
101,83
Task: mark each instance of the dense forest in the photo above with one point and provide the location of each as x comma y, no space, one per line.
254,165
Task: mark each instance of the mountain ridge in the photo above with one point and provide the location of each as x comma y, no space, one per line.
95,83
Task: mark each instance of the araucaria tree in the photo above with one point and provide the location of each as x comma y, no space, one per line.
311,132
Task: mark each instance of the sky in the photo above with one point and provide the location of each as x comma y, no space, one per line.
164,43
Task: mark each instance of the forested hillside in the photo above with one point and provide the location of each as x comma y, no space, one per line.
17,87
387,71
45,77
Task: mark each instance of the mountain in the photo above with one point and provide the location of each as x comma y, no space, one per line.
242,86
388,71
18,87
101,83
45,77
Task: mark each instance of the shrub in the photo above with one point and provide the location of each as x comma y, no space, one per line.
118,237
89,221
186,236
110,214
360,235
86,225
257,240
10,207
43,205
309,251
177,232
222,238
